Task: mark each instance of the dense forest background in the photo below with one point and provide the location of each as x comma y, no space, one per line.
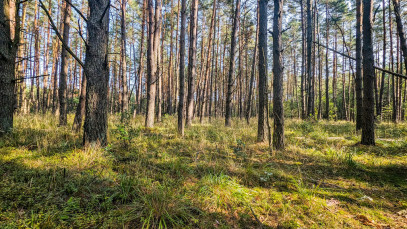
42,64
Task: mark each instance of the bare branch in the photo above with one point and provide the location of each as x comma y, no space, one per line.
104,12
19,80
77,10
65,46
352,58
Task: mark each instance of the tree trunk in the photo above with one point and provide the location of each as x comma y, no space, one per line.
358,80
252,74
123,64
278,108
334,75
402,37
303,51
327,65
228,114
97,73
9,40
368,134
169,90
208,59
141,62
151,66
182,70
191,61
64,67
310,75
262,65
380,105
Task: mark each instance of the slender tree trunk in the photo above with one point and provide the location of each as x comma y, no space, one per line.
151,65
400,30
278,108
45,77
22,66
158,52
310,75
141,62
208,59
228,114
262,65
191,61
334,75
36,69
303,83
252,74
358,81
379,107
327,65
64,67
182,70
170,70
368,134
123,64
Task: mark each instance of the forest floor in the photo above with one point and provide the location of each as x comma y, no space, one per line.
214,177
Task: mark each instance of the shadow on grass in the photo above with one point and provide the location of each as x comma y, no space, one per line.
46,142
66,198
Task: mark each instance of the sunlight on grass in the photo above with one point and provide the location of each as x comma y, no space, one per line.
214,177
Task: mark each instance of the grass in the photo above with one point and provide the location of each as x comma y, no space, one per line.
214,177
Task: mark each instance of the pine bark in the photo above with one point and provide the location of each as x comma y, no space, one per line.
236,19
262,65
9,40
358,80
181,123
278,108
368,134
310,75
123,64
193,24
97,73
62,91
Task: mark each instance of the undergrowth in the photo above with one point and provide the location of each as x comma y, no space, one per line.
214,177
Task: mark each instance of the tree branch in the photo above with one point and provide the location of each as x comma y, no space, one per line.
77,10
104,12
65,46
352,58
33,77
